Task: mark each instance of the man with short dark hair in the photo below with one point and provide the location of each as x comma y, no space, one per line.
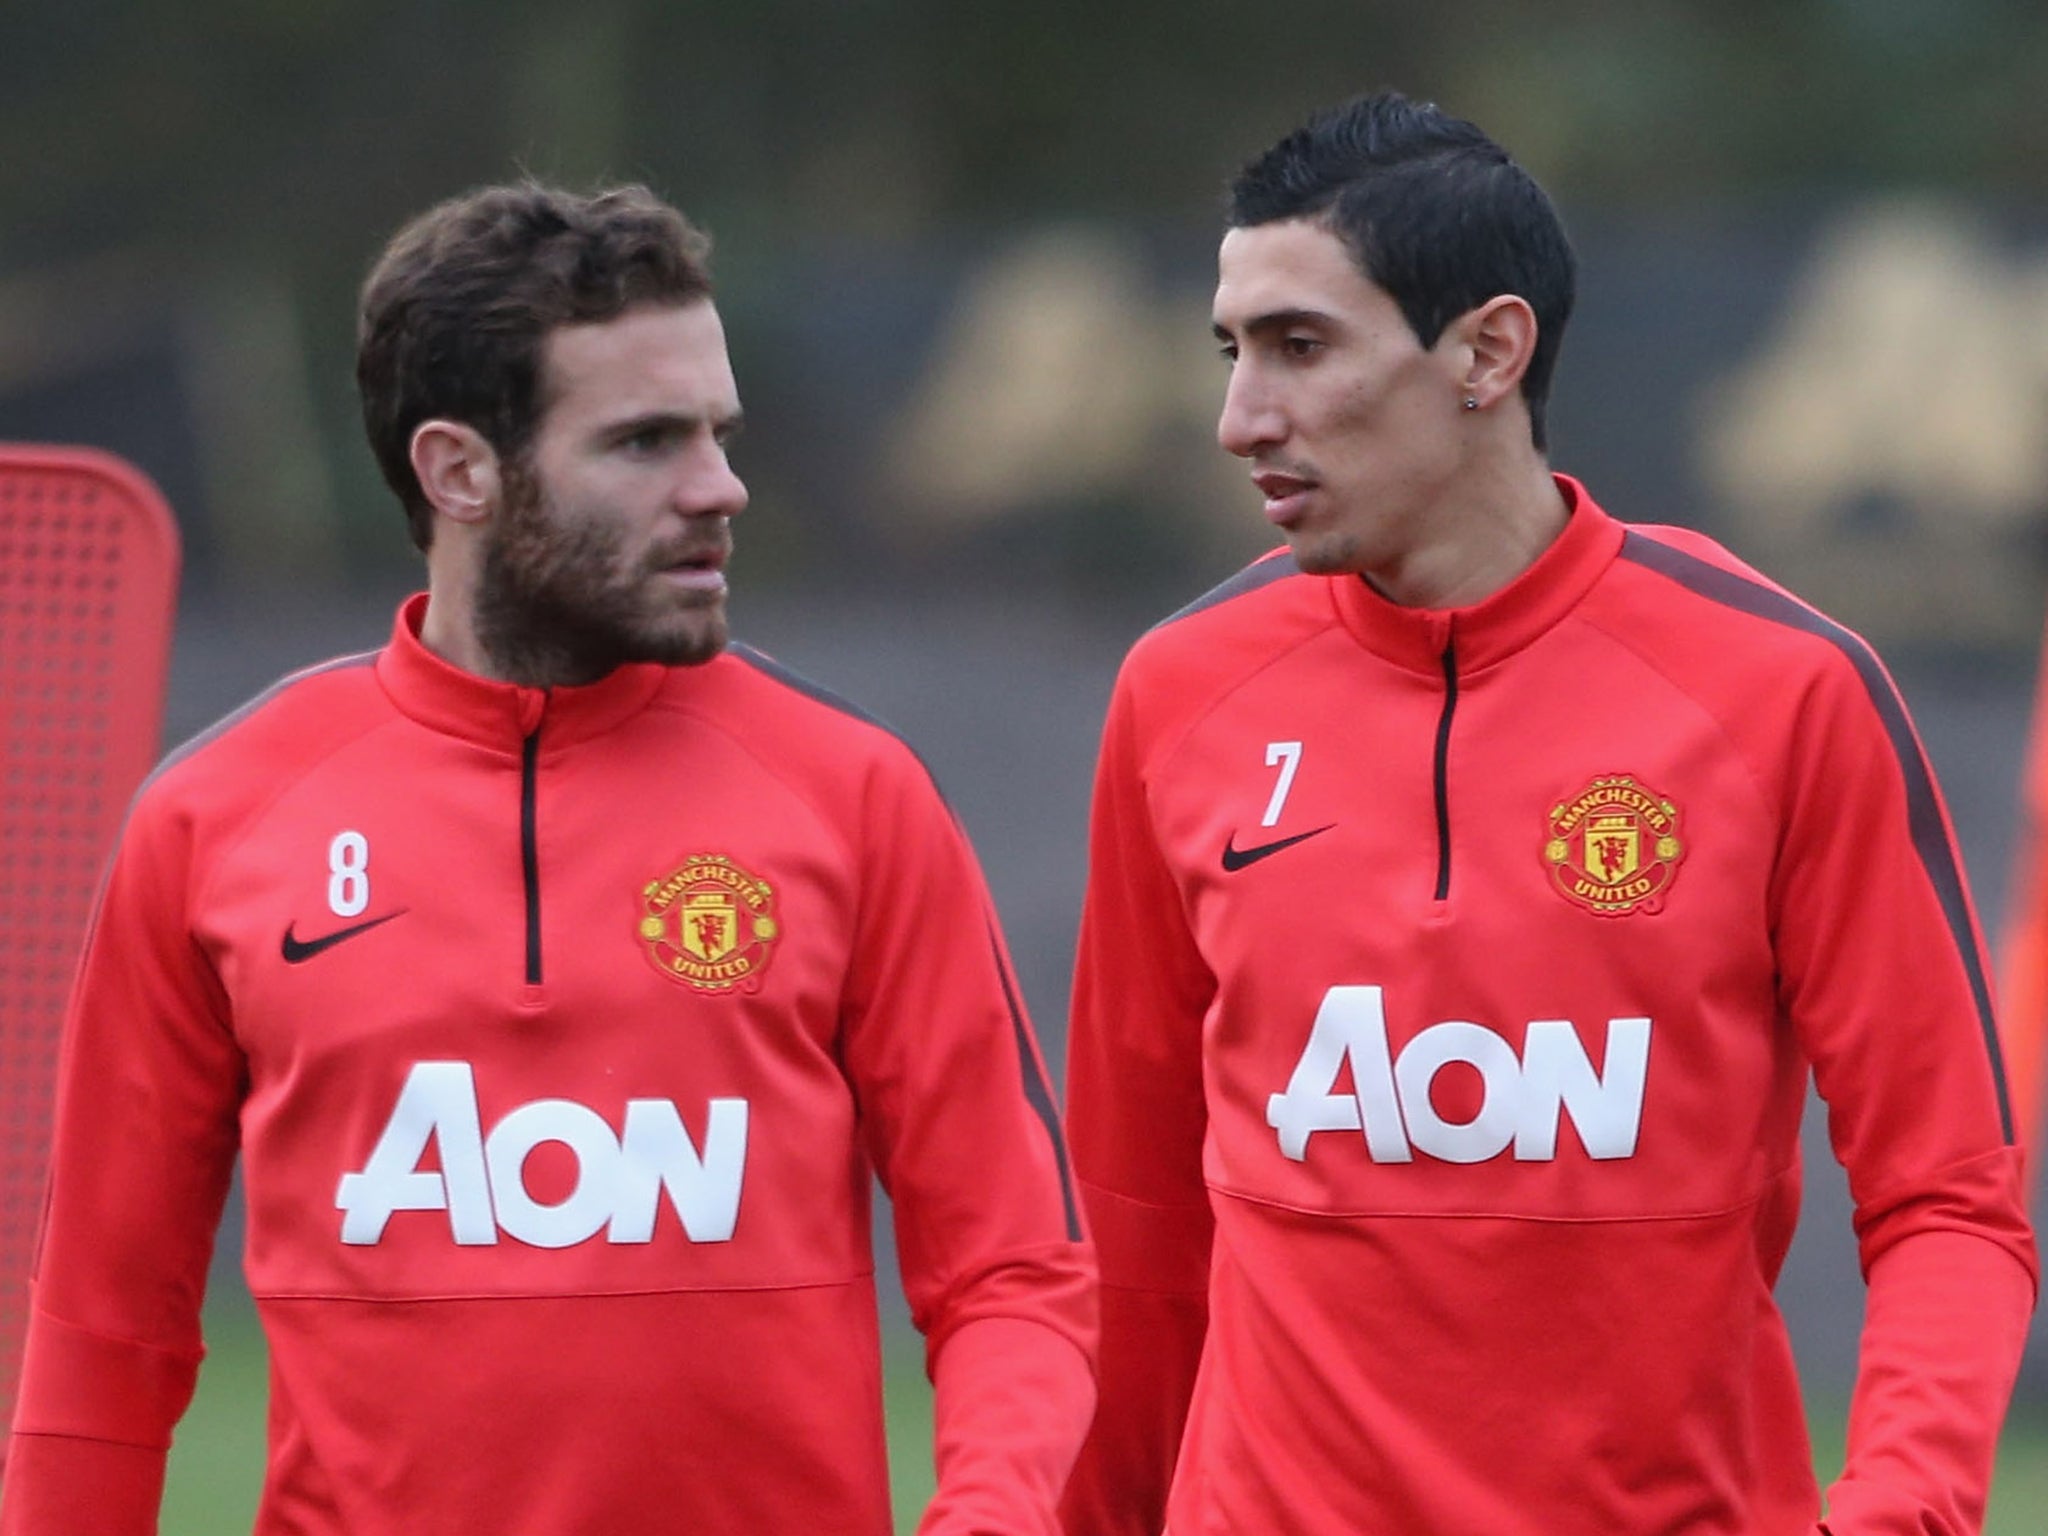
1474,884
563,974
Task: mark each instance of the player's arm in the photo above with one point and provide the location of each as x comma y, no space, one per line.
1136,1120
1884,977
960,1122
148,1084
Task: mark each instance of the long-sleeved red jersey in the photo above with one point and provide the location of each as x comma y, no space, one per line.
1448,989
559,1033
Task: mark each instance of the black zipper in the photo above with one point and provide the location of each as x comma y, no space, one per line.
529,851
1443,772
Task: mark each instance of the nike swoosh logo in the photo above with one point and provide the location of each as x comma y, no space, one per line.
1235,858
296,950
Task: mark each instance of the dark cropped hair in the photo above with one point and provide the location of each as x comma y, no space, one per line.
454,313
1433,212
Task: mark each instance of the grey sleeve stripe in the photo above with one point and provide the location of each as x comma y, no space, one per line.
228,722
796,682
1037,1091
1262,572
760,661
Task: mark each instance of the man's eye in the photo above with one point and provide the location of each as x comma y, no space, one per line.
1300,346
1228,351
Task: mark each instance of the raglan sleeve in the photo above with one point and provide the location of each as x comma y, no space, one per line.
1137,1120
960,1122
1883,975
149,1084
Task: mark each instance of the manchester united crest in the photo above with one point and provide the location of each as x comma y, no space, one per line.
710,924
1613,847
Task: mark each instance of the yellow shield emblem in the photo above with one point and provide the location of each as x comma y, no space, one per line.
710,923
1613,847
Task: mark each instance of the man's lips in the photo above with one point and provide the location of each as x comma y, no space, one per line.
700,569
1286,494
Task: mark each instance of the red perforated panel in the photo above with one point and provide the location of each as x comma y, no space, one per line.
88,581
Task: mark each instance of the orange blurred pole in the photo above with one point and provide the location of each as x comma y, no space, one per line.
2023,990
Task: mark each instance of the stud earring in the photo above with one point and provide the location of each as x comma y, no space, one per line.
1471,402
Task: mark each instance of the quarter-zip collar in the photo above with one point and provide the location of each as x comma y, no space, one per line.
1497,626
456,703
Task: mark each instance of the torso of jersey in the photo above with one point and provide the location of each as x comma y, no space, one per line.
560,1034
1468,968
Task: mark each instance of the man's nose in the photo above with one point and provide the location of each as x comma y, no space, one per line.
1251,417
711,487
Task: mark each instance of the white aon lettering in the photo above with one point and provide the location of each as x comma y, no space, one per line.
1521,1100
481,1183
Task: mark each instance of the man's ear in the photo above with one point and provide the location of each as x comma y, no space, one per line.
1500,338
458,470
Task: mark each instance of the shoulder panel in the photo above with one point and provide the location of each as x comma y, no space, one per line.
1734,587
1262,572
276,695
788,679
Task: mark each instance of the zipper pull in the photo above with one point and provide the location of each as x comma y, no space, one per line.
533,706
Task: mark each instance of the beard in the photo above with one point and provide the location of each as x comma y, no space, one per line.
560,602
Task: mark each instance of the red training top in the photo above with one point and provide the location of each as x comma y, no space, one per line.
1448,988
560,1033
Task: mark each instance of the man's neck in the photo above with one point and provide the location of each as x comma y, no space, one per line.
1493,528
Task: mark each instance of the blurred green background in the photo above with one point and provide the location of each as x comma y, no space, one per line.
965,251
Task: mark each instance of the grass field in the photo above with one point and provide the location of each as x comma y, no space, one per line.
217,1462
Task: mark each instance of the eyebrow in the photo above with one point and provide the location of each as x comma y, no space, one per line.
1273,322
679,421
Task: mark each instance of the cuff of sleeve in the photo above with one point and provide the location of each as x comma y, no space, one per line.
1051,1286
1144,1247
1981,1197
1945,1324
75,1382
1012,1403
58,1485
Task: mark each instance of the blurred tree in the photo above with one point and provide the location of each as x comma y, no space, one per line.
312,124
